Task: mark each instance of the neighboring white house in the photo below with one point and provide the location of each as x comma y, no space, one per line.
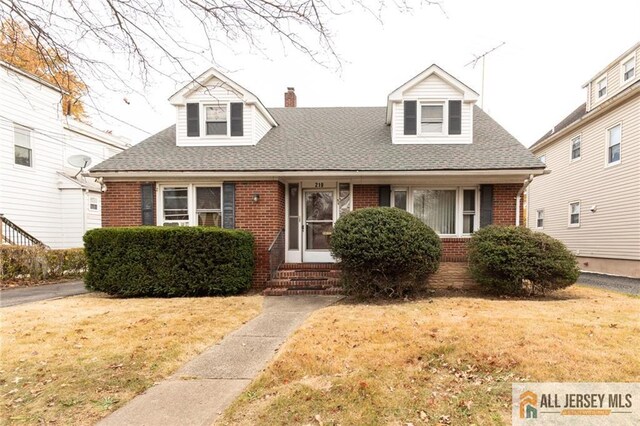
591,198
40,190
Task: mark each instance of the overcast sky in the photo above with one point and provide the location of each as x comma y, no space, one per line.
532,82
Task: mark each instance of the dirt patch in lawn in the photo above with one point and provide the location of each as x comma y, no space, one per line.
72,361
450,359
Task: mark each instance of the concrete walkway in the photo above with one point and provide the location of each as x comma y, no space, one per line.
201,390
611,282
18,296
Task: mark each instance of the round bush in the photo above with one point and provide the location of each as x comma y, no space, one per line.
384,251
516,260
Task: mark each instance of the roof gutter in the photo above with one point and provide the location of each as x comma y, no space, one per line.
525,184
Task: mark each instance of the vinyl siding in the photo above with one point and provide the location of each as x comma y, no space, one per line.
613,231
432,88
614,81
213,92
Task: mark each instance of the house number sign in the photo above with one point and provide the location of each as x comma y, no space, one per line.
319,185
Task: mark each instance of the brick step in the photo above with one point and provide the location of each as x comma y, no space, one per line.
307,273
304,282
301,266
279,291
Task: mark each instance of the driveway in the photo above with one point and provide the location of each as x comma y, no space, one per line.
18,296
610,282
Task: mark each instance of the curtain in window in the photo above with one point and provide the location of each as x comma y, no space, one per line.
436,208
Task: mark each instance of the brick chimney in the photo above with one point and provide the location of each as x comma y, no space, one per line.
290,100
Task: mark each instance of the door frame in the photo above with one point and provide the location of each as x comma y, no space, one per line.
315,255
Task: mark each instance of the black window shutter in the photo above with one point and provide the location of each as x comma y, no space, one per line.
455,117
486,205
193,119
228,205
147,203
410,117
236,119
384,193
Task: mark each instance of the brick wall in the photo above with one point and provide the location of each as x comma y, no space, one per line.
122,204
452,275
504,204
264,219
365,196
454,249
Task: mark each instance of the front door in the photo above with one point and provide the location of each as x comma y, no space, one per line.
319,208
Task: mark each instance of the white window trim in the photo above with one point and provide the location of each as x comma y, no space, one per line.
624,82
459,205
598,97
575,225
543,158
32,148
538,211
571,159
97,209
445,117
203,121
606,146
191,198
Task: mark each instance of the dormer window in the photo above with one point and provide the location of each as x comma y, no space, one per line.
628,69
602,87
432,117
215,120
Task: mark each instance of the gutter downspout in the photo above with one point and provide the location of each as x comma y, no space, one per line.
525,184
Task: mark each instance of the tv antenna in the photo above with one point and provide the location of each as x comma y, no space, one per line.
482,57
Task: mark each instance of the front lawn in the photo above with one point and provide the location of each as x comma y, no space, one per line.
74,360
447,360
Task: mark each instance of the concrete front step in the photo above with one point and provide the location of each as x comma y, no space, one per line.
280,291
301,266
304,282
307,273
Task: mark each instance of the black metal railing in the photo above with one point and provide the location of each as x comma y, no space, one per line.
276,253
13,234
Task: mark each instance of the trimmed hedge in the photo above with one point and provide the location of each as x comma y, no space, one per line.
169,262
515,260
35,263
384,252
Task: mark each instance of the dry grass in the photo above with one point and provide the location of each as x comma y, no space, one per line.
448,360
72,361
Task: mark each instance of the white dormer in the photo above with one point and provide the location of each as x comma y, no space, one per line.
432,108
213,110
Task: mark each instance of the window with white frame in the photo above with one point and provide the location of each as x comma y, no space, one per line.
543,158
94,204
195,205
432,118
602,87
574,214
215,119
22,145
468,211
614,138
540,218
575,148
628,69
400,198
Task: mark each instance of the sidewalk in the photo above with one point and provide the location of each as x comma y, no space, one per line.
201,390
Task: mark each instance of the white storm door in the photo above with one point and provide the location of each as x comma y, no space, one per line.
319,214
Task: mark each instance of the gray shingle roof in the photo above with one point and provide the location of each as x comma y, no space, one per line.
329,139
576,115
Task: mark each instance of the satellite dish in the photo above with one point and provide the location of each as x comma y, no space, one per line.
79,160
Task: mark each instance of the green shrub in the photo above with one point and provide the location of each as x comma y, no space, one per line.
169,262
516,260
384,251
37,263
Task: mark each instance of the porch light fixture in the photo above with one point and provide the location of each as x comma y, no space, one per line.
256,197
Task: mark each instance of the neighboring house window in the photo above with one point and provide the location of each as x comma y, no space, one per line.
400,199
540,219
22,145
628,69
575,148
431,118
602,87
94,204
436,208
574,214
208,206
175,206
215,119
468,211
543,158
614,137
